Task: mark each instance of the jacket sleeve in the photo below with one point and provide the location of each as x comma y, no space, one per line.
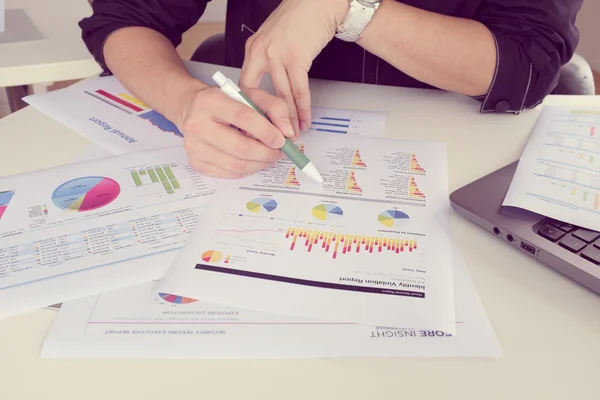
171,18
534,39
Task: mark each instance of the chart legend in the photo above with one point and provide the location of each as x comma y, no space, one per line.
5,198
161,122
211,256
163,175
393,218
414,164
291,179
86,193
171,298
341,243
413,190
324,212
261,204
352,184
357,160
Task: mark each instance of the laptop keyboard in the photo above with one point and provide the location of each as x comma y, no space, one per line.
584,242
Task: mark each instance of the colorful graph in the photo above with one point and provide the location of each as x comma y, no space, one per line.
122,101
211,256
357,160
413,189
414,164
352,184
162,174
588,196
161,122
129,104
5,198
291,179
301,148
327,211
331,124
393,218
261,204
347,243
86,193
171,298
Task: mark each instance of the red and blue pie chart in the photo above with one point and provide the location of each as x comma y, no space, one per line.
86,193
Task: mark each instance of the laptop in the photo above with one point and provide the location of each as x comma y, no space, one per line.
569,249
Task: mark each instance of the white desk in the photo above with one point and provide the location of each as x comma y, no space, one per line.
61,55
548,325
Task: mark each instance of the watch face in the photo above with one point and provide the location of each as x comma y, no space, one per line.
369,2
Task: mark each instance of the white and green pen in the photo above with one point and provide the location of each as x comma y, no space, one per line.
289,148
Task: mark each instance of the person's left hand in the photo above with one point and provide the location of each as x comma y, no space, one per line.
285,47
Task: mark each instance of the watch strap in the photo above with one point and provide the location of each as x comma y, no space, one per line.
359,15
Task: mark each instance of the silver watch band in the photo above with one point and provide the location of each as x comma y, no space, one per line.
359,15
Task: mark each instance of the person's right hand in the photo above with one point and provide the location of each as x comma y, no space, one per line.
217,149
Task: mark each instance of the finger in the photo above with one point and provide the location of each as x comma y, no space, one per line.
275,108
200,152
253,67
237,144
229,111
283,90
298,79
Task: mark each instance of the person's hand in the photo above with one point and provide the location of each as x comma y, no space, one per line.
285,47
217,149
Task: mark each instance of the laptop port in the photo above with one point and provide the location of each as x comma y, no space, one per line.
510,238
528,247
496,230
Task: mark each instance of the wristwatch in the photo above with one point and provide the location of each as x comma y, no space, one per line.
359,15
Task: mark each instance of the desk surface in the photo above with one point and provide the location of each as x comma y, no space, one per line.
61,55
548,325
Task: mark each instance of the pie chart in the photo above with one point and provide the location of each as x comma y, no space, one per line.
261,204
171,298
393,218
325,211
211,256
86,193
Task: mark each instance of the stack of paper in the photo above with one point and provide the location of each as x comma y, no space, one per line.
154,255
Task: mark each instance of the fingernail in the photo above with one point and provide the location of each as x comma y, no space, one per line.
303,126
280,142
288,129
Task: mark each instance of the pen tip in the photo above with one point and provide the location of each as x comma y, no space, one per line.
310,170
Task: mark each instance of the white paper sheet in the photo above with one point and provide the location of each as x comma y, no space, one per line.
101,109
559,171
137,322
370,245
64,231
93,152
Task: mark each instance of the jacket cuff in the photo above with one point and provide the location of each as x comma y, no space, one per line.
512,79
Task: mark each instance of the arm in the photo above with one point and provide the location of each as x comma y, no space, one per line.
135,40
453,54
509,55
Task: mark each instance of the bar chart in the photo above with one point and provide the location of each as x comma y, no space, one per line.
337,243
159,174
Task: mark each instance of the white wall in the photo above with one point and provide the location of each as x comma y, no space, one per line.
588,22
215,11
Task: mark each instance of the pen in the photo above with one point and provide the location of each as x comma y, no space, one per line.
289,148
